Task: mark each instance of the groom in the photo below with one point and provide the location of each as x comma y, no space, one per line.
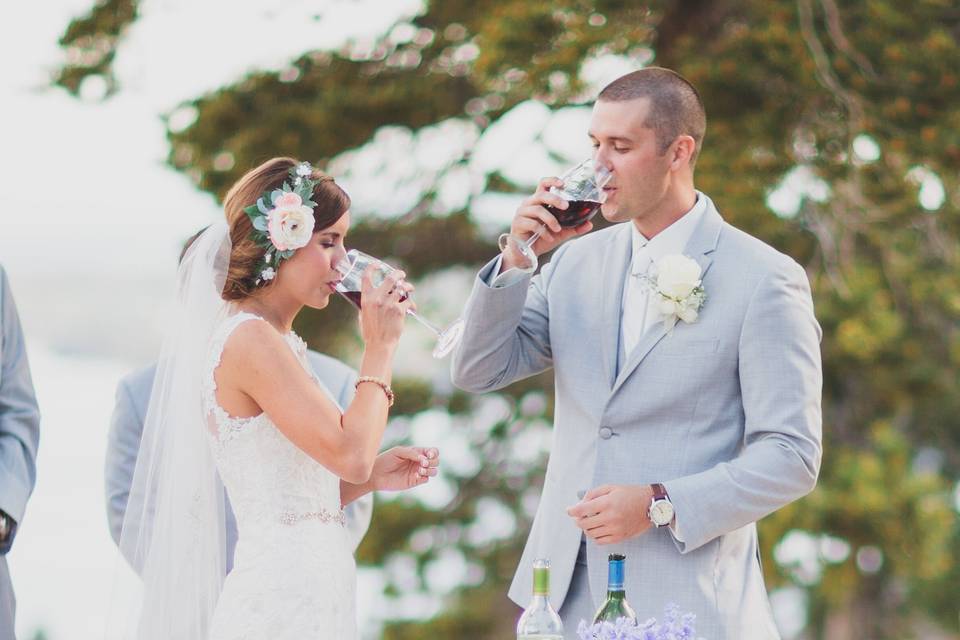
678,423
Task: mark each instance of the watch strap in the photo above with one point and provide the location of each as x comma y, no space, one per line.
659,492
6,525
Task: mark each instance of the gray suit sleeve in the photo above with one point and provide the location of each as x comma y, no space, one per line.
123,443
781,384
359,513
507,332
19,415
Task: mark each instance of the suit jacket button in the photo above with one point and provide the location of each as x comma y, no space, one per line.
606,433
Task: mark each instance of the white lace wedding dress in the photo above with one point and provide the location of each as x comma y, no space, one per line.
293,576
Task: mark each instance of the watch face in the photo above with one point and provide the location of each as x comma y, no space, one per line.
661,512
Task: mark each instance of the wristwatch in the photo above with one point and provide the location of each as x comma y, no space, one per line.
4,527
661,509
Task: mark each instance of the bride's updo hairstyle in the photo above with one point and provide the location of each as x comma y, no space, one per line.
246,254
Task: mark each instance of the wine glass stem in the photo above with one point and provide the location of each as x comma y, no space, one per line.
536,236
429,325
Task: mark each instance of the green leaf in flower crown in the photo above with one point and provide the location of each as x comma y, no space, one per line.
262,206
286,187
275,195
252,212
260,223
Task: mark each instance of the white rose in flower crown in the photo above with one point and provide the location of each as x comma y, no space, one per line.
290,222
677,277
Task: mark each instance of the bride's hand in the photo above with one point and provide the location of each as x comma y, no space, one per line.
404,468
384,307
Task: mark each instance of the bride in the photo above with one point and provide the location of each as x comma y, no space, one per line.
235,402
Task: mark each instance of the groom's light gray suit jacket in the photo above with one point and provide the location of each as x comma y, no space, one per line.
19,438
725,412
126,430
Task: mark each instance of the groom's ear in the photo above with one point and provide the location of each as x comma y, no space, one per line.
681,152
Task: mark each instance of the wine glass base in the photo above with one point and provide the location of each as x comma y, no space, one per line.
521,249
449,339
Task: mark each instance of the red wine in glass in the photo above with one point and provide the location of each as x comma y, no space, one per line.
576,213
583,190
352,268
355,297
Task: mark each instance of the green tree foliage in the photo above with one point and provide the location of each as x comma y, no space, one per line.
860,96
91,43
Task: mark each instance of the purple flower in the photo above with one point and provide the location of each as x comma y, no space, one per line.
675,626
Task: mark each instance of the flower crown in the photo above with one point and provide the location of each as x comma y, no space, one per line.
283,219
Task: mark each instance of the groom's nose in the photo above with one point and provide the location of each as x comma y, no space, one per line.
601,156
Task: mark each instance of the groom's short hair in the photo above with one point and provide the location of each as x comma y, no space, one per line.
675,105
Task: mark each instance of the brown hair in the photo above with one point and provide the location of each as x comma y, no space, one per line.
245,254
675,106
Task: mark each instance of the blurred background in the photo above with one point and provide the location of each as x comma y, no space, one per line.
833,134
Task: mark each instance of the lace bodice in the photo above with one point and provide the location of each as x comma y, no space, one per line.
293,574
267,477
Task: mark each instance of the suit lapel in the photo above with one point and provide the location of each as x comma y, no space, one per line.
616,261
701,245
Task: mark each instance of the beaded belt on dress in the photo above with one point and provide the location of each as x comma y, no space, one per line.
292,518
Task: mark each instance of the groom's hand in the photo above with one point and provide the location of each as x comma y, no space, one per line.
613,513
531,217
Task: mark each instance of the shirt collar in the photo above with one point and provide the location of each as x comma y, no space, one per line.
674,238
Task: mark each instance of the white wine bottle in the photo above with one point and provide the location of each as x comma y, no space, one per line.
539,621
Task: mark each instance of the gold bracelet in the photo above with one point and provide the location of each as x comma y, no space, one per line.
380,383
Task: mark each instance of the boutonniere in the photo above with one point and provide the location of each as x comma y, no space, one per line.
677,289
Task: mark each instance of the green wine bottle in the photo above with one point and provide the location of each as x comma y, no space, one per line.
539,621
616,605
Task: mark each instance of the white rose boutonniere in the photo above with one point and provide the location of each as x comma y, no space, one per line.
677,289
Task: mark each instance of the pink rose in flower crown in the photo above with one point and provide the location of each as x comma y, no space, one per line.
290,222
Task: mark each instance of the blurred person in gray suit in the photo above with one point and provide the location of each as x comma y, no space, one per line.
686,362
126,430
19,438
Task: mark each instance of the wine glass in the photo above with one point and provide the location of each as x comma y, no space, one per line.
351,273
583,190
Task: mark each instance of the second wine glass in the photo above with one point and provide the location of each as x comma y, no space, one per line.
351,283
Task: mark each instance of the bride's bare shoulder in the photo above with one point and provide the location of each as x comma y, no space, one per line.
255,344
